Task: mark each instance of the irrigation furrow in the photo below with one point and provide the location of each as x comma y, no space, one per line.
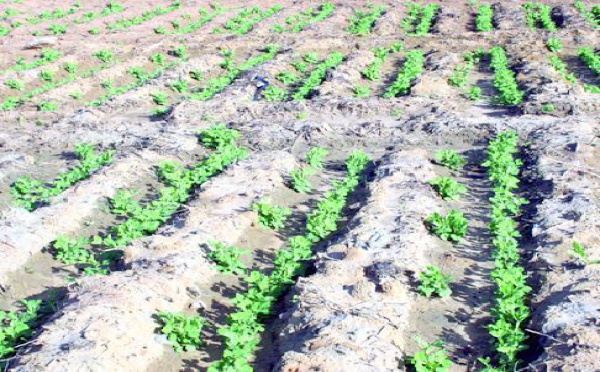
108,324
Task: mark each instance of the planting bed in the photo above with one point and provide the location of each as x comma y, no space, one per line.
299,186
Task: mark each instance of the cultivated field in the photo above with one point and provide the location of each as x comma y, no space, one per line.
299,186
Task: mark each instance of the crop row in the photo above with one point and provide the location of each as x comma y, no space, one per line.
592,15
539,15
420,18
591,60
504,78
31,194
363,20
411,69
299,22
373,70
205,17
510,310
244,22
146,16
485,18
141,220
46,56
242,334
316,76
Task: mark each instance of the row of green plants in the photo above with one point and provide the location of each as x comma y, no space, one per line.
510,310
539,15
411,69
363,20
591,60
460,76
218,84
591,14
205,17
31,194
242,334
504,78
16,327
50,82
290,79
139,221
299,22
373,70
141,76
484,21
53,14
244,22
317,76
47,56
111,8
146,16
420,18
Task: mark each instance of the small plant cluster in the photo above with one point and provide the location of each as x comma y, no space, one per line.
539,15
181,182
561,67
554,45
450,159
363,20
504,78
242,334
433,281
419,19
17,327
30,193
46,56
591,60
216,85
453,227
183,332
146,16
276,93
300,176
431,358
300,21
244,22
373,71
582,255
317,76
592,16
412,68
460,77
228,258
271,216
112,7
448,188
484,21
141,76
510,310
205,17
50,15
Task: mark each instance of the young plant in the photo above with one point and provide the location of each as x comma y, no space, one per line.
412,68
287,77
228,258
582,255
105,56
363,21
548,108
47,75
448,188
271,216
314,157
475,93
180,86
48,106
484,21
554,45
184,332
361,91
431,357
160,98
274,93
453,227
504,78
433,281
450,159
15,84
70,67
58,29
300,181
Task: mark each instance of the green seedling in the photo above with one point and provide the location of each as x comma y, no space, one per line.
433,281
448,188
450,159
274,93
554,45
548,108
47,75
196,75
15,84
314,157
271,216
105,56
453,227
160,98
70,67
361,91
300,181
287,77
228,258
180,86
475,93
48,106
184,332
431,357
94,31
218,136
